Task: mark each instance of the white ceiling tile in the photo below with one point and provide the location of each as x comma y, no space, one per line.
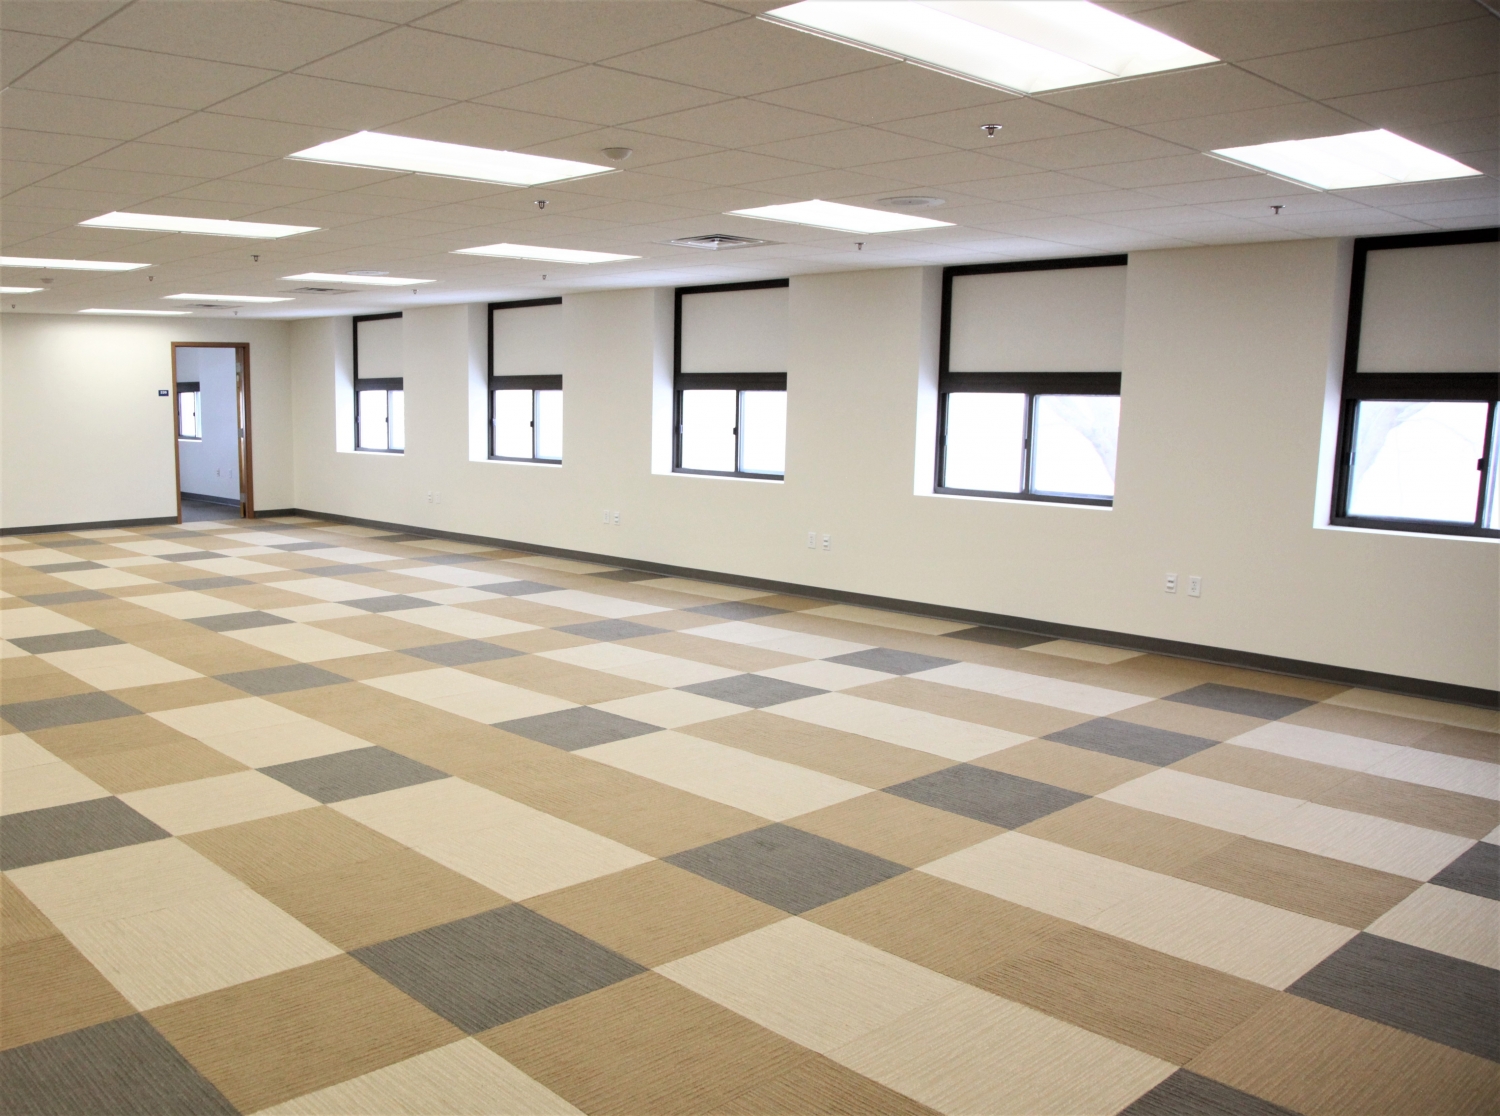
1159,172
751,56
895,91
1024,187
426,189
1091,149
1304,201
1459,138
1020,118
488,126
1173,96
948,167
249,32
1480,210
48,17
254,195
837,185
1424,104
1252,30
81,116
80,205
585,30
392,11
313,176
602,96
50,147
739,123
731,168
633,185
1414,192
851,147
14,173
647,151
1298,120
121,74
318,102
1454,50
128,183
23,51
158,158
437,65
216,132
1103,202
1214,190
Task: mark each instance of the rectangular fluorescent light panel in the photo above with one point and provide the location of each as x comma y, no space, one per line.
379,151
356,280
68,265
227,298
1346,162
202,226
1023,46
549,255
20,290
143,313
844,218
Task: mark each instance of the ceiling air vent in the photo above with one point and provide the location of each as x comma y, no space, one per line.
318,290
719,242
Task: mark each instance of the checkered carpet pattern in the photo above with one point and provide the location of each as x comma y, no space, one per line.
300,817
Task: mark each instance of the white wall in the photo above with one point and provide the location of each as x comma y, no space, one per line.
1229,354
210,465
84,436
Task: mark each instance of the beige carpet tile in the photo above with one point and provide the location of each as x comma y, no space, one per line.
894,828
1427,807
278,1037
51,989
1077,769
1131,836
281,849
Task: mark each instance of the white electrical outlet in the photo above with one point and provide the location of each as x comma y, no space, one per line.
812,540
1171,583
437,497
1195,585
827,542
606,518
617,519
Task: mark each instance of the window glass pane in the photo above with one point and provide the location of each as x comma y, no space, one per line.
763,432
1073,445
1492,518
187,415
549,425
513,423
708,430
982,450
398,420
372,415
1416,460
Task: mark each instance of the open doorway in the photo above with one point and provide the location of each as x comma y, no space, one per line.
211,430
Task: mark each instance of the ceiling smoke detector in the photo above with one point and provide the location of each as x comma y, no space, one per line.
912,202
719,242
617,154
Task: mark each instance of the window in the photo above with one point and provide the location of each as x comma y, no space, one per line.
189,409
1029,380
1418,424
730,380
525,381
379,385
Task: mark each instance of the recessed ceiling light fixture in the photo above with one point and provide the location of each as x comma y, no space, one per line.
68,265
1347,162
550,255
356,280
836,215
21,290
142,313
379,151
227,298
1022,46
201,226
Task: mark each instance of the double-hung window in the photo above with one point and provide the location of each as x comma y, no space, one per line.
525,381
379,391
189,410
729,416
1029,379
1418,424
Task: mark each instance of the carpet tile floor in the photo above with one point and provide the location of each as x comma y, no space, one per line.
298,817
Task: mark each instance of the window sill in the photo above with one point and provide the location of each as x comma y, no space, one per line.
1415,531
376,453
752,477
519,461
1034,502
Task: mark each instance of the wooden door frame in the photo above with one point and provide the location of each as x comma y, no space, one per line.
242,407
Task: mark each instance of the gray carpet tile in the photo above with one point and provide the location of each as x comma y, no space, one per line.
1236,699
491,968
581,727
352,774
1131,741
890,661
461,652
74,709
65,641
989,796
736,610
787,868
58,832
1476,871
281,679
73,596
238,621
393,602
516,588
608,630
1188,1094
999,637
196,583
753,690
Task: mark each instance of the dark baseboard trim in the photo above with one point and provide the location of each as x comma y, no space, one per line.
97,525
1221,656
202,499
272,513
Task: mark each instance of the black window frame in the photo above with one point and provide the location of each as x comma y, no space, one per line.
387,384
1031,384
496,383
738,382
188,387
1474,387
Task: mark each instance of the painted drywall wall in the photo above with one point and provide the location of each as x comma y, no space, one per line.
210,465
1229,354
84,436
